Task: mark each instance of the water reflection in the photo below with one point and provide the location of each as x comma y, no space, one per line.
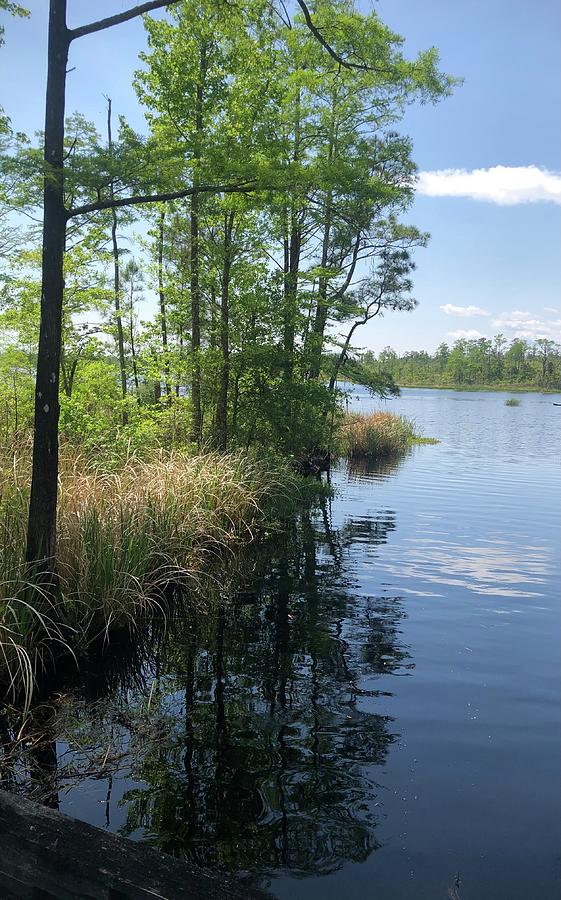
249,741
367,469
498,568
269,763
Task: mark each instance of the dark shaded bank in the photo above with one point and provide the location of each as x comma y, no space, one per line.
50,856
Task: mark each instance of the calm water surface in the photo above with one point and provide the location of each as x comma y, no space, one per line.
377,716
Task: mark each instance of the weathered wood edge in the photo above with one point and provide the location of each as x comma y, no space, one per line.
46,854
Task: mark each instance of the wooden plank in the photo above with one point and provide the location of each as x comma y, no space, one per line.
46,855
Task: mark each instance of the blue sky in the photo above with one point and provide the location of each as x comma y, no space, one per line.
493,261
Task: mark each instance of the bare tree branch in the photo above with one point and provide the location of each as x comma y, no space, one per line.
132,13
319,37
138,199
349,277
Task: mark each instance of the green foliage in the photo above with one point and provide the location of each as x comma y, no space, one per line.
292,417
253,280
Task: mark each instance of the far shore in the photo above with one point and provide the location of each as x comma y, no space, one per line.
495,388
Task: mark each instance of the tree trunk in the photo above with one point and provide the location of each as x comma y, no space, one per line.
292,249
162,296
322,308
63,372
291,292
117,278
235,403
375,305
343,355
177,384
196,425
133,347
41,531
222,404
197,421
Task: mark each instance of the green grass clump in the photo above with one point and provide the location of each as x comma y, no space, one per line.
124,536
376,436
512,401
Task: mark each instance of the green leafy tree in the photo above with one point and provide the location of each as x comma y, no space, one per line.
295,119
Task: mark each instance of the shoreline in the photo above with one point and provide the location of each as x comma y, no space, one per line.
133,543
491,389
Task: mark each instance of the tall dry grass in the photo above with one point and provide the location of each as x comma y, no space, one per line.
378,435
124,536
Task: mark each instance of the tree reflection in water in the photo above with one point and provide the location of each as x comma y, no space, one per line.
271,763
264,743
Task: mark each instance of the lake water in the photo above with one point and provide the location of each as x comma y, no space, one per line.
377,714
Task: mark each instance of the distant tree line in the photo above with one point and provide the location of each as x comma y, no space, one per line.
467,363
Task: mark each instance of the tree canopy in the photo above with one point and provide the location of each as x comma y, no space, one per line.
271,180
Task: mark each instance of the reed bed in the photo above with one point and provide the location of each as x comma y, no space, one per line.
375,436
125,536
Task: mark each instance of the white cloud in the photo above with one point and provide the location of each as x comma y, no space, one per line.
470,334
452,310
505,185
528,325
